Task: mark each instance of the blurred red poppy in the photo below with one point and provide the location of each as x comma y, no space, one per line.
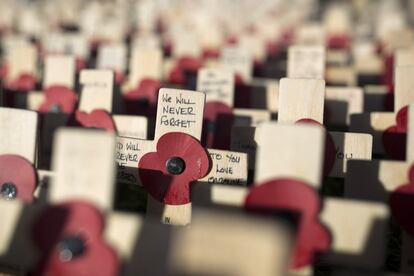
299,201
59,99
18,178
69,236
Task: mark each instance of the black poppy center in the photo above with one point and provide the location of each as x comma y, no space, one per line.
55,108
8,191
175,165
71,247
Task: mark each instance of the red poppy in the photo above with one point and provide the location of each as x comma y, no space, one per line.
184,65
394,138
18,178
142,100
119,77
388,73
69,235
296,198
402,204
167,173
24,82
341,41
211,53
273,48
59,99
80,63
3,70
218,120
330,151
98,118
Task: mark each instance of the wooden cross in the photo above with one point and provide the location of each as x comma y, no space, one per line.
293,107
376,179
97,90
375,123
178,111
151,57
58,70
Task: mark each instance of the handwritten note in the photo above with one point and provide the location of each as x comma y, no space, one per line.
128,153
229,168
179,110
218,84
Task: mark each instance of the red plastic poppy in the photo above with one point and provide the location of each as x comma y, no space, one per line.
211,53
167,173
119,77
273,48
243,93
3,70
402,204
232,40
18,178
330,151
59,99
69,236
98,118
146,90
339,42
80,63
394,138
388,74
184,64
299,199
218,120
142,100
25,82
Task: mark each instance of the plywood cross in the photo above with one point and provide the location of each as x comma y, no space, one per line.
375,180
178,111
304,98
